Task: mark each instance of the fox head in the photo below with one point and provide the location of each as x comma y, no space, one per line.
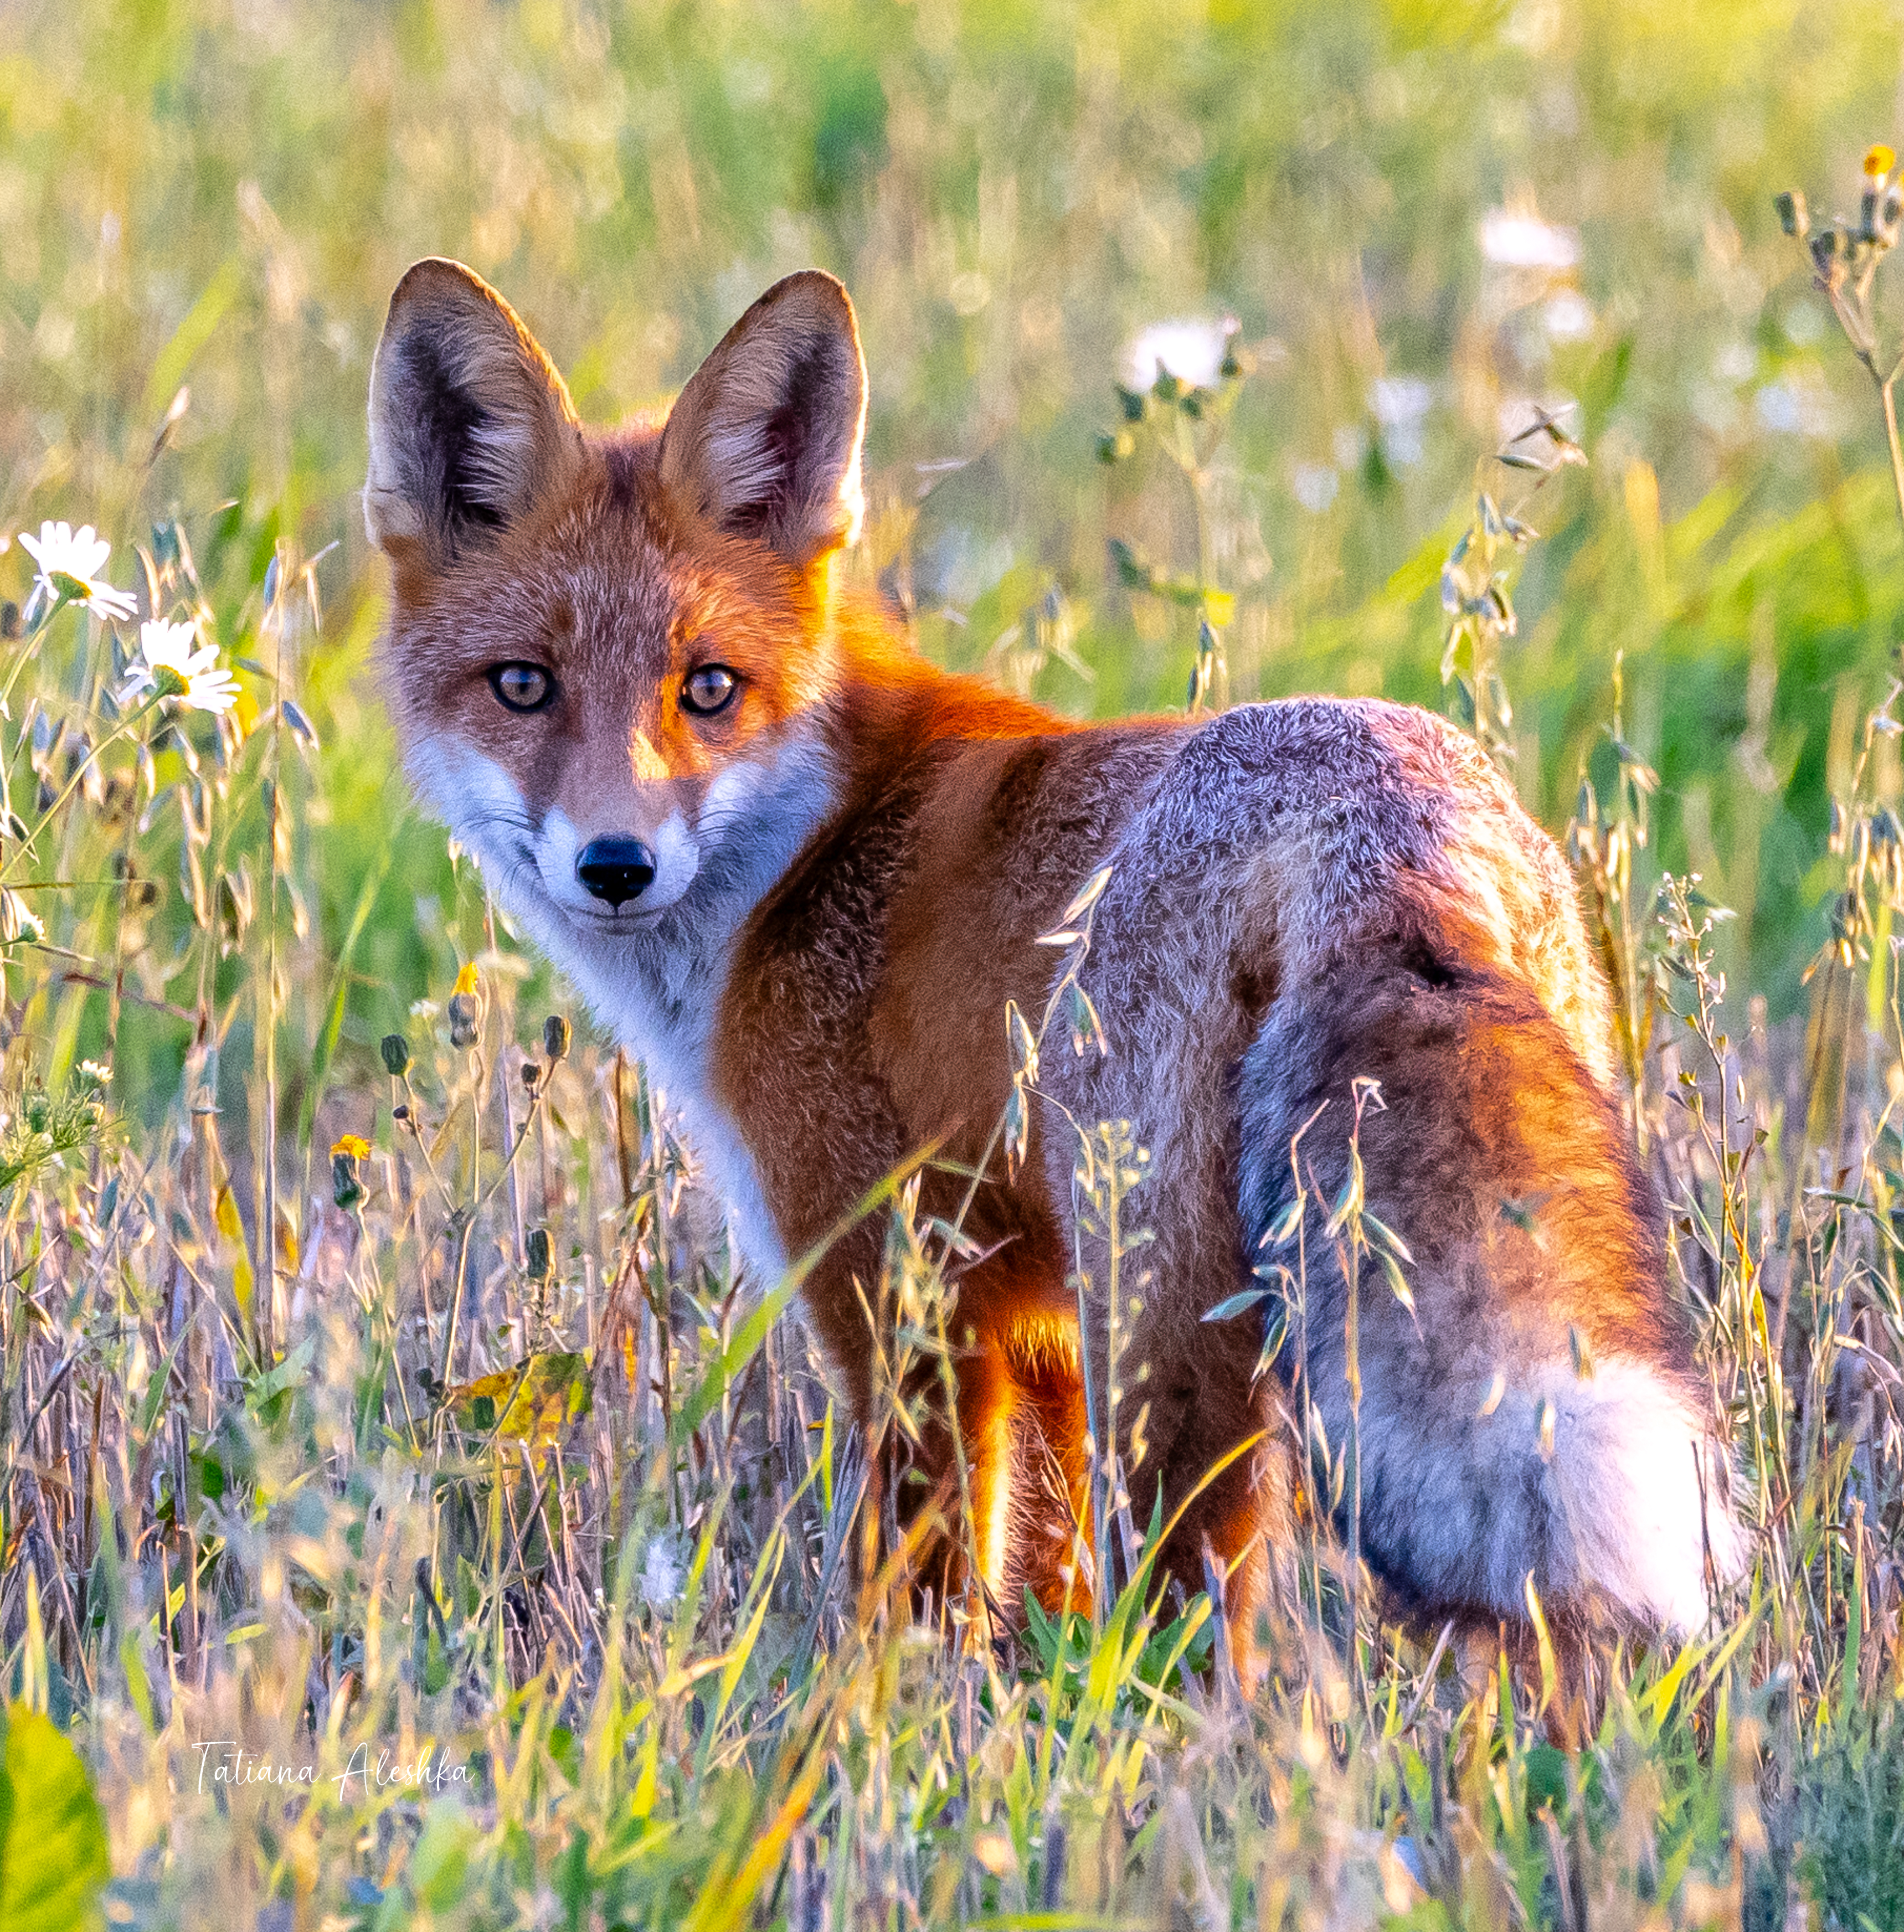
607,653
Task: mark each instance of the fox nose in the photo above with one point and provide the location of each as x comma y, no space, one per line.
616,869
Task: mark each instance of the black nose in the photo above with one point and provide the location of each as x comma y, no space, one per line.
616,869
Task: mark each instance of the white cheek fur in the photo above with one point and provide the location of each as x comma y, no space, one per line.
677,861
556,849
476,799
732,791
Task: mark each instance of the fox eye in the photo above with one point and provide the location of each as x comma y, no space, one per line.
709,688
522,687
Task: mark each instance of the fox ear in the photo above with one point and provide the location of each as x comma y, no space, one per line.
764,440
469,422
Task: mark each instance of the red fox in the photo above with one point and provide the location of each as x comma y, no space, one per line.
801,871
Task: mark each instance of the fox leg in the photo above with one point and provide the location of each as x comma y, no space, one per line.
1050,1513
1009,1498
1179,1395
952,1492
1214,1451
1021,1420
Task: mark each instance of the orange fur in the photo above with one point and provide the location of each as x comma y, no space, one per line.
853,861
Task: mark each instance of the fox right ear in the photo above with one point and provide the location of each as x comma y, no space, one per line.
469,422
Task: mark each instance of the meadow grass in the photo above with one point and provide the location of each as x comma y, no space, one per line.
409,1513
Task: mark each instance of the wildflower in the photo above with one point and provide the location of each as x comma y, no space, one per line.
1568,317
346,1190
1191,349
1315,485
465,1010
172,667
70,561
1400,404
1511,238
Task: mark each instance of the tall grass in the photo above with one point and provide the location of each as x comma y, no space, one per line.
481,1549
408,1509
441,1529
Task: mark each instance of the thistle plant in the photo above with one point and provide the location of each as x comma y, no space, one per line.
1186,424
1846,256
1477,582
1866,835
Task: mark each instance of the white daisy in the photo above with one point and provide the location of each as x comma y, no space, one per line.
169,647
1191,349
70,562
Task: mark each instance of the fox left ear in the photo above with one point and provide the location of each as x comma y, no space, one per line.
764,441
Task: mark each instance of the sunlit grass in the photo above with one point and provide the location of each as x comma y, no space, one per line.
408,1509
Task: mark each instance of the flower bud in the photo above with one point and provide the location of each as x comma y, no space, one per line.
464,1019
347,1190
17,921
1831,248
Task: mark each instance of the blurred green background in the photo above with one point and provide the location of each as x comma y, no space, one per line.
1423,218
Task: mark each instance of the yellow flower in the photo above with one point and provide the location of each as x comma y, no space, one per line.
1878,161
353,1144
466,980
